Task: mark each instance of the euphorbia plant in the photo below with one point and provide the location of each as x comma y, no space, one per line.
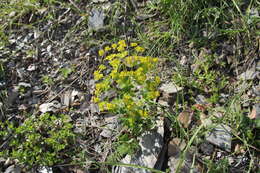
131,76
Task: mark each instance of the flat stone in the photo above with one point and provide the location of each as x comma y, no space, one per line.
24,84
96,20
170,88
248,75
221,137
50,107
151,143
13,169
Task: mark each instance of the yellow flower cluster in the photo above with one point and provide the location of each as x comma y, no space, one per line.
131,76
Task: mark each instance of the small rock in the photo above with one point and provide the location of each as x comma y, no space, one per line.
76,94
170,88
200,99
221,137
50,107
112,125
186,167
184,60
22,107
169,93
25,85
45,170
13,169
12,14
175,148
96,20
151,144
31,67
248,75
163,103
207,148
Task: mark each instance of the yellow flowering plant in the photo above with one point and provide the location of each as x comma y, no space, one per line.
132,77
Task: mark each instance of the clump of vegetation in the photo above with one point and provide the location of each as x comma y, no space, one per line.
205,78
131,77
42,141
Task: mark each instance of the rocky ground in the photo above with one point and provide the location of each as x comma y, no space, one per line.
208,111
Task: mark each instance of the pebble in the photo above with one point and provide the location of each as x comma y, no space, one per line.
221,137
170,88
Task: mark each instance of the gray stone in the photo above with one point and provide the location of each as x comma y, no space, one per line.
50,107
151,144
176,162
96,20
45,170
170,88
25,85
248,75
13,169
200,99
186,166
111,126
221,137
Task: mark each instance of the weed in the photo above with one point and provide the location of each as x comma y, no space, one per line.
47,80
124,145
132,79
204,78
42,141
65,72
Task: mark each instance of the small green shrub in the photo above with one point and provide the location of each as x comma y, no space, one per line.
66,71
131,77
124,145
47,80
39,141
205,78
